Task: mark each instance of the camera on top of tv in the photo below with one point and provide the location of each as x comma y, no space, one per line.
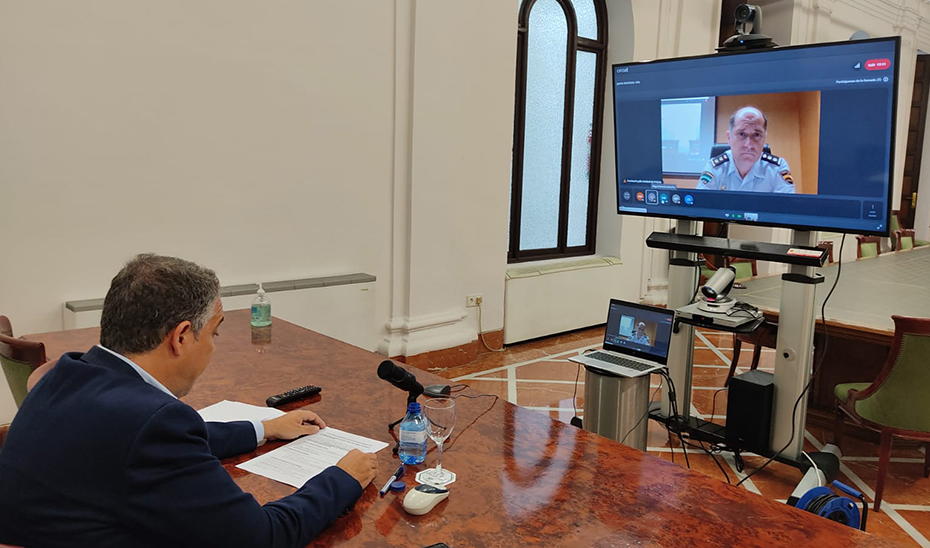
748,30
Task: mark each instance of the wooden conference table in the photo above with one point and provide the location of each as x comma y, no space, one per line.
523,478
858,314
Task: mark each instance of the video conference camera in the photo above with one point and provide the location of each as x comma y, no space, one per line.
748,30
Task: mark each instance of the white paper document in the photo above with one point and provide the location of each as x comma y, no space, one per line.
227,411
306,457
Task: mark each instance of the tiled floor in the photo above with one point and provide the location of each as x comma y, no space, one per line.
538,375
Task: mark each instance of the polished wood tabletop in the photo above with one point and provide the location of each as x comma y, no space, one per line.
523,478
868,293
858,317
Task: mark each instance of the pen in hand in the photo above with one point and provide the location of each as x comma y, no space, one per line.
392,479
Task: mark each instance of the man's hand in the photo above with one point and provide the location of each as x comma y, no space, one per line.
293,425
360,466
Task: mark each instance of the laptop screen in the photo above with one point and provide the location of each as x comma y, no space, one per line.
639,330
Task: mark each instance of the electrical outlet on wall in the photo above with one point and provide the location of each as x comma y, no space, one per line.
472,300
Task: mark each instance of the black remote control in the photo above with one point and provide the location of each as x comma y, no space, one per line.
292,395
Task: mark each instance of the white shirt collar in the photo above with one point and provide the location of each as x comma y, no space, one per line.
146,376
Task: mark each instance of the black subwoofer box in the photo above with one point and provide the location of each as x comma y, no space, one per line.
750,404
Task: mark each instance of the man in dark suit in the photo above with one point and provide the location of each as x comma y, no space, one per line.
102,452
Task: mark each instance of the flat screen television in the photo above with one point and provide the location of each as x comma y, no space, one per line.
799,137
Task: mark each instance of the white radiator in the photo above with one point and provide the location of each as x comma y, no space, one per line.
341,307
541,300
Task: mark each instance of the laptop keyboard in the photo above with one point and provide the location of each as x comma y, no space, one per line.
617,360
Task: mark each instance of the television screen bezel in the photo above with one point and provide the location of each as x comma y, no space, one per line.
827,228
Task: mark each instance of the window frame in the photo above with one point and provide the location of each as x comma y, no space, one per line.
599,48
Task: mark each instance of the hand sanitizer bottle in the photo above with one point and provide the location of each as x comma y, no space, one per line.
261,309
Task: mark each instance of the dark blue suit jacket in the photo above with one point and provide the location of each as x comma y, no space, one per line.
98,457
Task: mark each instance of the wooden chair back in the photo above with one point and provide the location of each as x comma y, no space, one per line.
828,245
904,239
19,358
868,246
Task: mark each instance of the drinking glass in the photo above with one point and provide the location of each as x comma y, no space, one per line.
440,420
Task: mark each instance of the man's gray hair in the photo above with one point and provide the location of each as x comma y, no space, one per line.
150,296
765,121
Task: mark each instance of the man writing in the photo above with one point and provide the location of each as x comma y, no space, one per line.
102,453
746,166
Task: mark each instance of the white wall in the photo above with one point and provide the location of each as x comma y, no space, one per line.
910,19
229,133
304,138
278,141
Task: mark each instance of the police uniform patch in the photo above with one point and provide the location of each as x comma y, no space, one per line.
706,177
718,161
786,175
771,158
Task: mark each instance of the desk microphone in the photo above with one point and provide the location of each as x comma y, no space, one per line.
401,378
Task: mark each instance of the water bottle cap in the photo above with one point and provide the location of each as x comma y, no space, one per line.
413,407
261,290
398,486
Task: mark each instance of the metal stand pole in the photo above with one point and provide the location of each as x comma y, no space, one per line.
794,354
683,276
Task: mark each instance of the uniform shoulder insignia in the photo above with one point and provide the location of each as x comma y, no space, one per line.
786,175
771,158
706,177
717,161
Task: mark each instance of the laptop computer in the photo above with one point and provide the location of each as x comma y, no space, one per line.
636,340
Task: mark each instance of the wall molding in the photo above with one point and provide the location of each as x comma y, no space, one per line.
410,336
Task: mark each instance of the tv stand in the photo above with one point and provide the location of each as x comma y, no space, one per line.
794,348
800,255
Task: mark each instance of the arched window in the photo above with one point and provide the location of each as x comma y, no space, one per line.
558,114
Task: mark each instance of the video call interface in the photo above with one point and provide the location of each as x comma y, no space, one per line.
637,329
809,144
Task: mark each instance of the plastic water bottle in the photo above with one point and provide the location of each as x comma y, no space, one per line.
413,436
261,309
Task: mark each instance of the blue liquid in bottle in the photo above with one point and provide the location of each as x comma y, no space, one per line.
412,436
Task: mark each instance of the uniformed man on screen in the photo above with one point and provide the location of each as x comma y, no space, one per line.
640,336
746,166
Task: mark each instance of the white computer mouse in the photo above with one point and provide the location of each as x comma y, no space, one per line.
424,498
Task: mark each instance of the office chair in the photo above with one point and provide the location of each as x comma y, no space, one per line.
895,404
19,358
766,335
868,246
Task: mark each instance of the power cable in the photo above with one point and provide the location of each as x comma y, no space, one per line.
481,332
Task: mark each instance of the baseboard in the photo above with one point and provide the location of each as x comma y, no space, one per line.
439,360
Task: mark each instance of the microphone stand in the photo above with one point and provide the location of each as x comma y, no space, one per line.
412,396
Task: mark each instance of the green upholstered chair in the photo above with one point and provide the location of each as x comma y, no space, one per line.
868,246
18,358
895,226
895,404
904,239
745,268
